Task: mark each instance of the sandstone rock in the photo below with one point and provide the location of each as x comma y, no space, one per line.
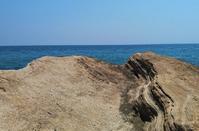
149,92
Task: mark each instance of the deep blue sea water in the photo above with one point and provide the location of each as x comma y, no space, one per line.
16,57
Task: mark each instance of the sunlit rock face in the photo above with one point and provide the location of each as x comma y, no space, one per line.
149,92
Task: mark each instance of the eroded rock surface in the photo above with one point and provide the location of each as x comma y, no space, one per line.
149,92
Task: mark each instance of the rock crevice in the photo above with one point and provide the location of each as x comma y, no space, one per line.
152,103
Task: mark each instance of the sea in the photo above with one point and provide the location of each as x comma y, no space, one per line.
17,57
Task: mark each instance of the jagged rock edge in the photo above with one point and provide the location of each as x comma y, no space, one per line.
140,108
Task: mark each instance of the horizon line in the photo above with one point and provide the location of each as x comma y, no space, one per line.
100,44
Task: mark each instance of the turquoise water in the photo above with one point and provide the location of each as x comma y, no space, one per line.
16,57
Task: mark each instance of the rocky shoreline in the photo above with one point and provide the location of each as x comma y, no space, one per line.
149,92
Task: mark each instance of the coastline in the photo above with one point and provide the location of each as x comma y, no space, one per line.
148,92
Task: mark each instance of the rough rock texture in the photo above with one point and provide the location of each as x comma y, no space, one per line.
149,92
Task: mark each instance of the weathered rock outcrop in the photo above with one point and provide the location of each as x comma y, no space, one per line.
149,92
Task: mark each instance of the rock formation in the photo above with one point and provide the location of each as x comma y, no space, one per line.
149,92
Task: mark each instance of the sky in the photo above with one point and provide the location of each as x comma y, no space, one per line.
57,22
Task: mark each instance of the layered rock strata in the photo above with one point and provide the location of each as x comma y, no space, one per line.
149,92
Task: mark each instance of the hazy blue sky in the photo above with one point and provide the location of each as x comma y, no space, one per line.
98,21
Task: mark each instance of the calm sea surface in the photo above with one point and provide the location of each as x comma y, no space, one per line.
16,57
